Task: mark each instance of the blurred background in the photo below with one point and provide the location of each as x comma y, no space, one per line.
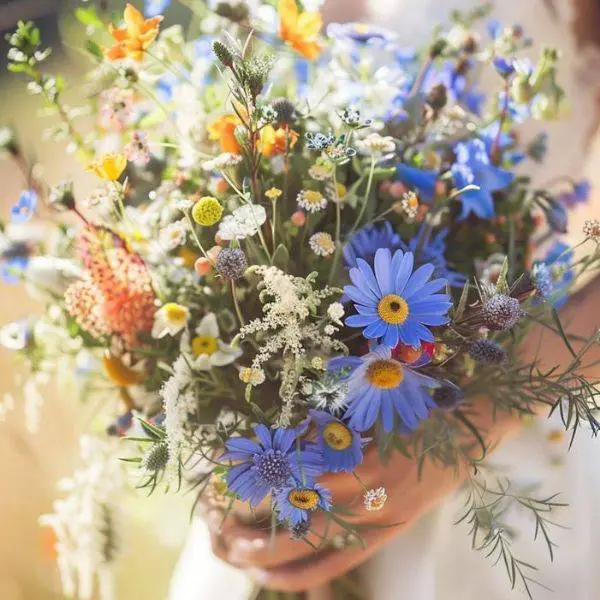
31,465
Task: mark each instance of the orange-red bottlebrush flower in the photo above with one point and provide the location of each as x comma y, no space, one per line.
132,40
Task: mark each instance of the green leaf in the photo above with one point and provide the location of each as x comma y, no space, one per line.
94,49
89,17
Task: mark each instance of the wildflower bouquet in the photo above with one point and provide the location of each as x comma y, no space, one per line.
301,246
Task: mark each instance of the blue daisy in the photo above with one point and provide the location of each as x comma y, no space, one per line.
433,250
380,385
365,242
269,463
295,503
473,167
340,444
394,303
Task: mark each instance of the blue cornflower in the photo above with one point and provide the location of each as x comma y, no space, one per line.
504,66
424,181
394,303
269,463
580,194
340,444
153,8
473,167
365,242
380,385
24,207
433,251
295,503
554,275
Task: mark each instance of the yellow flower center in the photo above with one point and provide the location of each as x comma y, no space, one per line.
175,313
305,499
337,436
393,309
204,344
385,374
313,197
361,28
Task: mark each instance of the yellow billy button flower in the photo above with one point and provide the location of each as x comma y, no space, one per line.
385,374
207,211
306,499
204,344
393,309
337,436
109,166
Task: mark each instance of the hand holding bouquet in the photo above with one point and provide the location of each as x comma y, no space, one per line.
307,270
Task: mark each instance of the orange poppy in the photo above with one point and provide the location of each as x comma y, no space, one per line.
135,37
273,141
300,30
223,129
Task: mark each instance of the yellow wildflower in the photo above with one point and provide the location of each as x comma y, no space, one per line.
109,166
300,30
207,211
132,40
223,129
273,193
274,141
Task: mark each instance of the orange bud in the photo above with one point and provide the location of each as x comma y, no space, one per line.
202,266
298,218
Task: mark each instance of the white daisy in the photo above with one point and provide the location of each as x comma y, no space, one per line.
173,235
169,319
208,349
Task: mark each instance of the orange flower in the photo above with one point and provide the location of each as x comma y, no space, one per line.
135,37
223,129
300,30
273,141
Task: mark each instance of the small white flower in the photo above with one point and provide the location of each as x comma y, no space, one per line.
173,235
244,222
335,311
208,349
221,162
376,145
169,319
321,244
329,329
311,201
375,499
14,335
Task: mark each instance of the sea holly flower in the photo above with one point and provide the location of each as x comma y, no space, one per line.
554,275
380,386
110,166
24,208
473,167
295,503
394,303
300,29
207,347
135,38
272,462
341,445
170,319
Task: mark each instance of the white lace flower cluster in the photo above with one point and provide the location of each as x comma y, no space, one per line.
84,522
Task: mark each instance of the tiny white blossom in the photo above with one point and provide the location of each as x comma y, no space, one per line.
252,376
244,222
227,159
311,200
173,235
335,311
376,145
